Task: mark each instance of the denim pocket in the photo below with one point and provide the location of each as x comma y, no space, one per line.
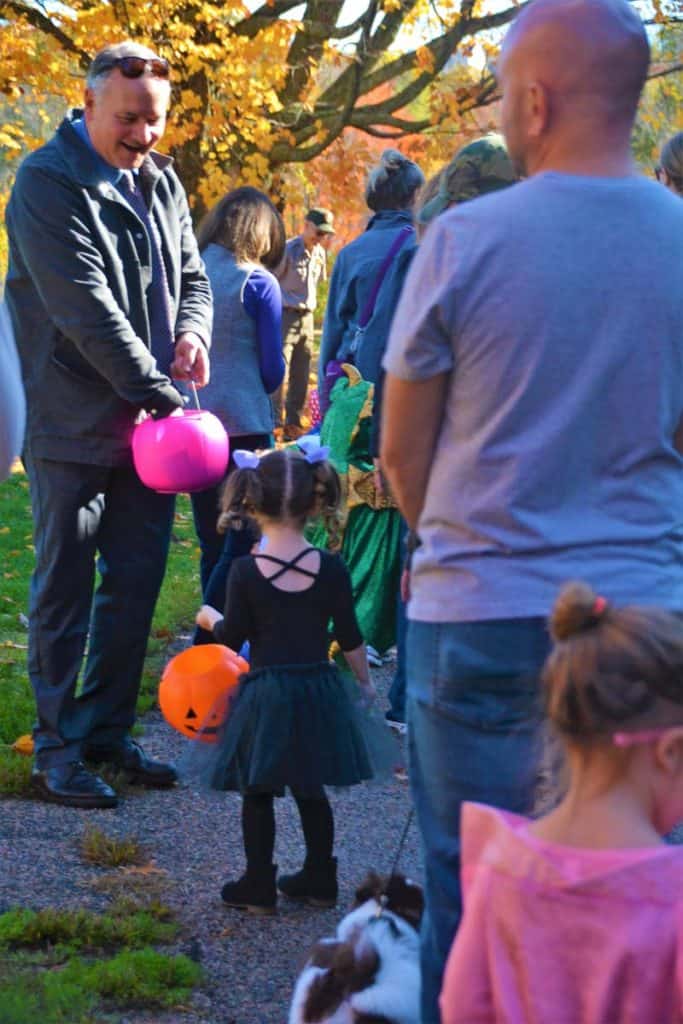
483,681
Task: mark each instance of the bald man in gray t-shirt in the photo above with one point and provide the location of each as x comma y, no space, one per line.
532,420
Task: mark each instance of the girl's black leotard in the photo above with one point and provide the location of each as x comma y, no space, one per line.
288,627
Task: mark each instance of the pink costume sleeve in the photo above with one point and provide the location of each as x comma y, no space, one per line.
466,996
679,964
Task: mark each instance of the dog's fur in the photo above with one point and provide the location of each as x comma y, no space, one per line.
370,972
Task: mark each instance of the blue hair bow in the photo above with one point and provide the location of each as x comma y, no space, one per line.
313,450
244,459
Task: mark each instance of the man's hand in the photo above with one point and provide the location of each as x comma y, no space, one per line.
368,693
191,359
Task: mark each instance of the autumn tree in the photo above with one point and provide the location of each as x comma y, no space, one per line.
254,89
661,108
258,90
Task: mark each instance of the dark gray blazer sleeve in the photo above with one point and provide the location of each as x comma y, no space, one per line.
49,222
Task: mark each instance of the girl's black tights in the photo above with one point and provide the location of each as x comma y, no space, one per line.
258,827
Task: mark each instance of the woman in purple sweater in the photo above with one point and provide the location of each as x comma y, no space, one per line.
240,239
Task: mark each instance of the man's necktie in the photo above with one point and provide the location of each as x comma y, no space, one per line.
159,302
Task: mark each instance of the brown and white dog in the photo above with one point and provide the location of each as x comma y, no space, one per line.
369,973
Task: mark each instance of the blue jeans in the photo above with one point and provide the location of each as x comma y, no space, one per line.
80,511
397,690
474,733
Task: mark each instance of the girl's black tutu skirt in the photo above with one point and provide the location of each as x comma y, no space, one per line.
299,726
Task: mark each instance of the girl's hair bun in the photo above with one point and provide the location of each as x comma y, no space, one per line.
576,609
393,160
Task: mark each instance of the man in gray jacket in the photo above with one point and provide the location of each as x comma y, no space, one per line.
109,300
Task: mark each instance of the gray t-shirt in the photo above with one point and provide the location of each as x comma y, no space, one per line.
557,308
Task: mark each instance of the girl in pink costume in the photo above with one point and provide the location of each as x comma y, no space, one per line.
577,918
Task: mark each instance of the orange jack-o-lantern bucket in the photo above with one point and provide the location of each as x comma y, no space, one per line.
195,689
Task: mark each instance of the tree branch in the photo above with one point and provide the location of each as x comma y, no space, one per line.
664,71
441,48
307,48
34,16
264,16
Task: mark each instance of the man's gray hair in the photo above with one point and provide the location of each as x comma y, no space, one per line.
103,62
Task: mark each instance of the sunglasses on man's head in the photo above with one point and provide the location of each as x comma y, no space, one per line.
135,67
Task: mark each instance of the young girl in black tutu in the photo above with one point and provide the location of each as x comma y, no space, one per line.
296,721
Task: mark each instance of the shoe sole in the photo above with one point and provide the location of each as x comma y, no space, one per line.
81,803
400,727
252,908
309,901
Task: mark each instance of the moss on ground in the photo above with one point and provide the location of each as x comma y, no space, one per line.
74,930
77,967
85,992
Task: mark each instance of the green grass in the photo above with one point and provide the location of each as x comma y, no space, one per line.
76,966
108,851
80,992
125,925
179,599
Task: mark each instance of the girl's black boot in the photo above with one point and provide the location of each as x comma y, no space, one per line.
255,891
315,884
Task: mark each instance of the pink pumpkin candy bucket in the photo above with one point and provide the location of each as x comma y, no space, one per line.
181,453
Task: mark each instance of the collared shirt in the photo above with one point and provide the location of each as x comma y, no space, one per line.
299,274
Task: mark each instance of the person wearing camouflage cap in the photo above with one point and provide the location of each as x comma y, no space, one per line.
480,167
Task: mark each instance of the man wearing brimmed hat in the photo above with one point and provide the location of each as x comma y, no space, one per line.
109,301
303,266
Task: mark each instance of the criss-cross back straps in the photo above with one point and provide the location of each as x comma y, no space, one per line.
286,566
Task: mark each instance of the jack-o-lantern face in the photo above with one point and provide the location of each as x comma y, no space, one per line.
195,689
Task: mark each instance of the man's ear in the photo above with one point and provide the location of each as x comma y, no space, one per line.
88,100
669,751
537,101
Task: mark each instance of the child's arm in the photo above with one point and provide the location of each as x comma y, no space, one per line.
207,617
232,628
358,663
347,632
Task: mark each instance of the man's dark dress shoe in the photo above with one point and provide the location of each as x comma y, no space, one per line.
71,785
131,759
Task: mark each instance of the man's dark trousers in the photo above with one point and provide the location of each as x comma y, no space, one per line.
80,510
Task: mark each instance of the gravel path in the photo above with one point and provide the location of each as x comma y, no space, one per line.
194,842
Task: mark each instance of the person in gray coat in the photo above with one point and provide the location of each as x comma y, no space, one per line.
109,300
